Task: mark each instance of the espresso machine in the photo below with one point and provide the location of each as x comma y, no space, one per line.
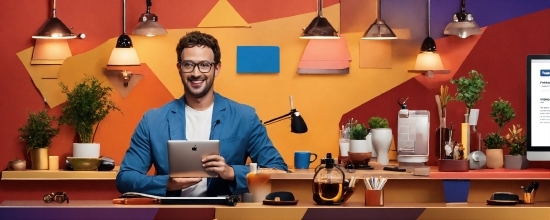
413,134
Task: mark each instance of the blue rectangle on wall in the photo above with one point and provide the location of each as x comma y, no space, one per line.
258,59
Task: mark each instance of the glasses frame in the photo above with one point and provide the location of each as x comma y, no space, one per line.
212,64
59,197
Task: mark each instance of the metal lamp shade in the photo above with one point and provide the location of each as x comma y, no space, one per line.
319,28
462,29
54,28
297,123
149,28
379,30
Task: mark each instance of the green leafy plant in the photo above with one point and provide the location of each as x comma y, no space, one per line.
469,89
502,112
39,131
494,141
358,131
87,104
378,122
516,140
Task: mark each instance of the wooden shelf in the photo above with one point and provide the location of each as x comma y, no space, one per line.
59,175
483,174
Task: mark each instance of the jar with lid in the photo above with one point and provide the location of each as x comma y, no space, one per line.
328,183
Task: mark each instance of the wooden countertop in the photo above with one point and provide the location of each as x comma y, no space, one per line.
59,175
483,174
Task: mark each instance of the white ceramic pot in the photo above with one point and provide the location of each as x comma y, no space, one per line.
359,146
88,150
369,144
381,141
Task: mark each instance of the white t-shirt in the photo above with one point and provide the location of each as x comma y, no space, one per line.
197,127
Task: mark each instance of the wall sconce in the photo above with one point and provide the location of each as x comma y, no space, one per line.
148,23
379,30
297,123
319,28
124,53
463,24
51,45
428,60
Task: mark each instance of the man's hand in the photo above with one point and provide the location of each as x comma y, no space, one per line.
217,164
181,183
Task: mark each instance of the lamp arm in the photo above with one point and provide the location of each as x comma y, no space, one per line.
149,3
280,117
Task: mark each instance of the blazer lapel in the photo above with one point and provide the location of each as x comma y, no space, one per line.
218,117
176,120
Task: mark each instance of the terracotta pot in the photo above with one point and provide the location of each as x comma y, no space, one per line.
39,158
518,162
495,158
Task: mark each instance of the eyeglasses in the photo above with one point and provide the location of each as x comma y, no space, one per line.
59,197
188,67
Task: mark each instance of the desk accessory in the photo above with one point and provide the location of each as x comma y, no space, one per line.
327,185
280,198
374,193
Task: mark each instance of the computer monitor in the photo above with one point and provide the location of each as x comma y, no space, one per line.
538,107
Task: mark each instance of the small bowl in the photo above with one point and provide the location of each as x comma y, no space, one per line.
359,157
83,163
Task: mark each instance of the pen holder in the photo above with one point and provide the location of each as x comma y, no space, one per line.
374,197
529,198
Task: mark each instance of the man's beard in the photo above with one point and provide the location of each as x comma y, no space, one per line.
202,91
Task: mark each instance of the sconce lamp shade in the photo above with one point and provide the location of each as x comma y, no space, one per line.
379,30
428,45
123,57
428,61
54,28
148,23
463,24
124,54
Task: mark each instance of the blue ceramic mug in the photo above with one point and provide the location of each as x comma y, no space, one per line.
302,159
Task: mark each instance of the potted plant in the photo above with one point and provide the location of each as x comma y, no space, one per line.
468,90
381,138
37,135
88,103
357,138
501,113
517,142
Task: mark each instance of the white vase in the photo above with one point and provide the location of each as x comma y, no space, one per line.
359,146
381,141
88,150
369,145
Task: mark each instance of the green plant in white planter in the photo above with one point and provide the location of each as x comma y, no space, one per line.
501,113
357,137
516,140
381,138
88,103
37,135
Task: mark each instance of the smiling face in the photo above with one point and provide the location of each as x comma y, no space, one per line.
197,84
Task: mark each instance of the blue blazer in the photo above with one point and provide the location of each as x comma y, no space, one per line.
237,126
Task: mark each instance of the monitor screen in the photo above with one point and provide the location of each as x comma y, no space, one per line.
538,107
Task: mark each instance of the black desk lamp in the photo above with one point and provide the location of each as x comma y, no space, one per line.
297,123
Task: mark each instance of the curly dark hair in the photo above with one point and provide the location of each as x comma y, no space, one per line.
196,38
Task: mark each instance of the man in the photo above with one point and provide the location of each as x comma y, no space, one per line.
199,114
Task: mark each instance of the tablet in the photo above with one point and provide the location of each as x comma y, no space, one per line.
184,157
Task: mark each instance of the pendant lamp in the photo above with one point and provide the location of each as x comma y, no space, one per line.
428,60
463,24
320,27
124,53
379,30
54,28
148,23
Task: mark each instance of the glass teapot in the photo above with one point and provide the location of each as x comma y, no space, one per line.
328,183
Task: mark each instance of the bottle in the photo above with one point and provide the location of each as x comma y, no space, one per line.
259,184
328,183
